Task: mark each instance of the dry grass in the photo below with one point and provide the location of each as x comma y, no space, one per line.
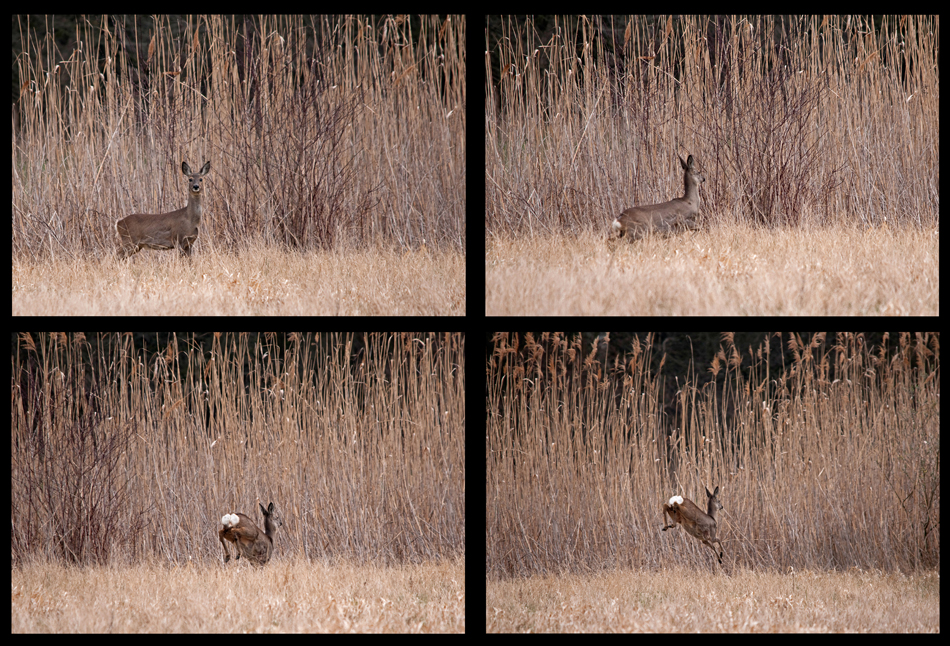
825,119
826,451
736,270
286,596
683,601
127,449
324,134
813,125
267,281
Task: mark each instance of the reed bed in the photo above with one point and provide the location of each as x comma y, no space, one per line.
322,132
827,452
132,447
826,120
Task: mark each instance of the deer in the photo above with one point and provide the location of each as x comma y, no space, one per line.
679,213
701,525
164,230
249,541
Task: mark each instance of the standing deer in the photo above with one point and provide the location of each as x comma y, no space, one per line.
679,213
701,525
165,230
250,541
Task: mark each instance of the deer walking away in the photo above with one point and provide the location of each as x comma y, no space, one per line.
249,541
697,523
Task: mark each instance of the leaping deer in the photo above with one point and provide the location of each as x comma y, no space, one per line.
701,525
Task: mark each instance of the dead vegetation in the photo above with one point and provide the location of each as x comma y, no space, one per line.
828,450
289,595
686,601
329,134
128,449
735,270
822,127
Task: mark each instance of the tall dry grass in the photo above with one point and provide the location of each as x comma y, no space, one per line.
121,452
831,460
821,119
322,132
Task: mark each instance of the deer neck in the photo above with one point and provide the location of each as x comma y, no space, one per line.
194,207
690,191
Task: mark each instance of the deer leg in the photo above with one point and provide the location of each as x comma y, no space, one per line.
227,555
722,552
708,544
666,512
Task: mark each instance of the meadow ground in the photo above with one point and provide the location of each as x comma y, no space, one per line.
683,600
285,596
728,270
261,281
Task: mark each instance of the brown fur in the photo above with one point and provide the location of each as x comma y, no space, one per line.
699,524
250,541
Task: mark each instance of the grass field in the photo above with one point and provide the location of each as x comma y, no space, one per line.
128,450
817,136
824,449
731,270
285,596
683,600
337,164
264,281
